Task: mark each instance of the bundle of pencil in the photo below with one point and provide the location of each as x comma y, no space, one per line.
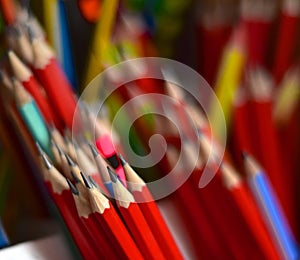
109,205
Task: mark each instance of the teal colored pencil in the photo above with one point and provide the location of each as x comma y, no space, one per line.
32,117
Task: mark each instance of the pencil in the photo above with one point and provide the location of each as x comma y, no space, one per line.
268,146
67,57
107,150
230,225
8,10
141,194
191,202
62,197
4,242
76,170
249,210
104,249
107,217
32,117
57,152
286,41
23,46
267,201
241,124
258,18
70,146
91,10
135,221
229,76
102,169
51,75
25,76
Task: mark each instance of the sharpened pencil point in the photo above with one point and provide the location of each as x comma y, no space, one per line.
39,148
60,151
94,150
69,160
199,133
75,144
72,187
14,31
123,162
244,155
92,181
31,34
50,126
54,144
46,161
112,176
86,181
75,178
221,166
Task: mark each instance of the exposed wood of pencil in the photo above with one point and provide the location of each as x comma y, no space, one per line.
57,137
23,46
101,166
21,95
142,195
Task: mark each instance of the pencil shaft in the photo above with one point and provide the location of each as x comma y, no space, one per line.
266,199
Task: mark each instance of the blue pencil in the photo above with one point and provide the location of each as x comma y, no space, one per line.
3,237
66,48
271,209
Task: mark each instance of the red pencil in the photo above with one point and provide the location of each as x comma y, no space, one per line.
8,10
241,124
55,82
269,150
135,221
213,32
258,17
287,38
23,74
249,210
206,241
231,226
105,214
142,195
104,248
62,197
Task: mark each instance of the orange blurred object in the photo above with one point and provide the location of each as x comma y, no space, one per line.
90,9
8,11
